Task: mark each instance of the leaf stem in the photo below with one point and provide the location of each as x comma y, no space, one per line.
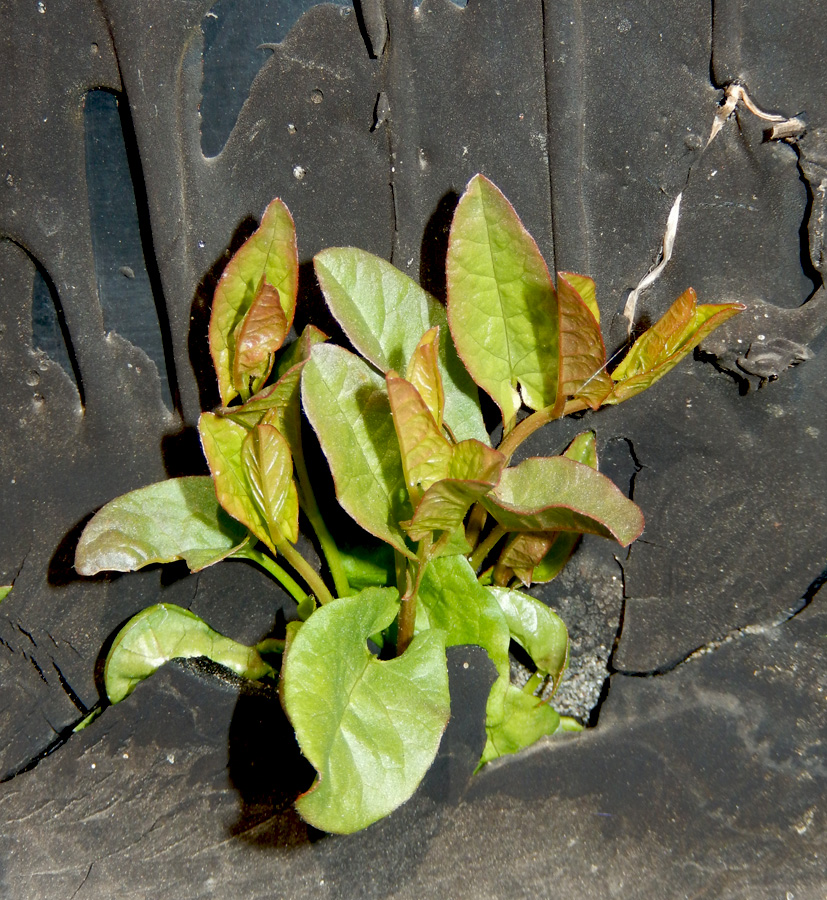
307,572
534,422
533,683
477,558
407,611
287,581
476,521
314,516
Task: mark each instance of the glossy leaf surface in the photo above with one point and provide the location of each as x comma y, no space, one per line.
175,519
424,374
269,255
261,332
582,353
371,729
559,494
525,720
164,632
502,305
385,314
268,466
347,405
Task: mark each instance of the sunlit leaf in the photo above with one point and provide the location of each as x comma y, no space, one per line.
268,466
261,332
222,441
559,494
347,405
384,314
585,288
164,632
423,373
270,255
5,590
502,305
175,519
371,729
681,328
526,719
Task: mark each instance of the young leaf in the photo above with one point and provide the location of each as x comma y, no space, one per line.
347,405
164,632
5,590
525,720
268,466
175,519
261,332
537,629
585,288
270,254
222,441
502,305
371,729
384,314
559,494
423,373
681,328
299,350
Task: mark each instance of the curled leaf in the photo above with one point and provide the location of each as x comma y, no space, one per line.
261,332
175,519
525,720
164,632
268,466
423,373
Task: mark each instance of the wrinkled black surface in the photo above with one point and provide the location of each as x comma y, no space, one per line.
368,122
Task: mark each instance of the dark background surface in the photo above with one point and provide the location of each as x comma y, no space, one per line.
139,142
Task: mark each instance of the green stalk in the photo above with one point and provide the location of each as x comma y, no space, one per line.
533,683
303,567
314,516
407,611
287,581
477,558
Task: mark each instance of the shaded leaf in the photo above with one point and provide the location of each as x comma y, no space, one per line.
268,466
526,719
347,405
371,729
682,327
559,494
222,441
164,632
175,519
270,254
502,305
384,314
300,349
261,332
369,566
585,288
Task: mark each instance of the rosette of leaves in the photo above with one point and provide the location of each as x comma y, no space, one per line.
457,529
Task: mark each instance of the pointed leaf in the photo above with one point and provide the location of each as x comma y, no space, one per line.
585,288
559,494
5,590
222,441
384,314
526,719
300,349
268,466
175,519
423,373
261,332
164,632
347,405
681,328
502,305
582,353
371,729
269,254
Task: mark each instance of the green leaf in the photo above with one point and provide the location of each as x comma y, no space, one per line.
222,441
525,720
347,405
268,466
537,629
371,729
423,373
270,255
583,449
452,600
502,305
585,288
384,314
5,590
369,566
175,519
682,327
299,350
559,494
261,332
164,632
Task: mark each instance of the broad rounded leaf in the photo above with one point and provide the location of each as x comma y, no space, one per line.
526,719
175,519
558,494
164,632
347,405
371,729
270,255
502,306
385,314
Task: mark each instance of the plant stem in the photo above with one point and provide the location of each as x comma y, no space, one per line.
287,581
477,558
476,521
535,421
314,516
533,683
407,611
303,567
